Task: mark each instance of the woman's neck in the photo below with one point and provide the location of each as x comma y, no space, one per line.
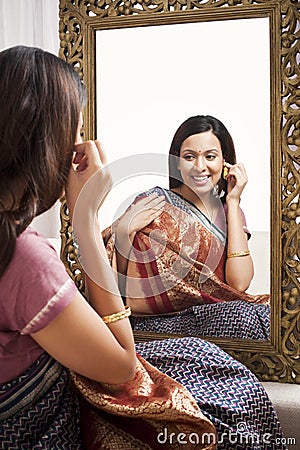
208,204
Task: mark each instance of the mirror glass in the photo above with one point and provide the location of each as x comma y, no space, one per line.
150,79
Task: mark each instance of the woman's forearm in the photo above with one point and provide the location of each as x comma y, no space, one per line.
239,269
123,248
103,292
123,243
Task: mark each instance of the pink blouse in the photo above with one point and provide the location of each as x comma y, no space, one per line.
34,289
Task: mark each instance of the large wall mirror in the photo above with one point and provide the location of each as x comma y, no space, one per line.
147,67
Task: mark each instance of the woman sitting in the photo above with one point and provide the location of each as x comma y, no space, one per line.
185,249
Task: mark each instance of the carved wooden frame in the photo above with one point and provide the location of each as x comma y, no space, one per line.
279,358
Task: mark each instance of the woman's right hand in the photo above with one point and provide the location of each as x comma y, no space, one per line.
140,214
89,179
236,181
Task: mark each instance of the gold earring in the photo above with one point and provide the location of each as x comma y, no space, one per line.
225,171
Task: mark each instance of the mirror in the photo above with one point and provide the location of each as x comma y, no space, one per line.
82,31
146,109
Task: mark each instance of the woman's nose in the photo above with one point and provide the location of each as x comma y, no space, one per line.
200,163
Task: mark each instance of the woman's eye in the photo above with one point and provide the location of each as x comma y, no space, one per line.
188,157
210,157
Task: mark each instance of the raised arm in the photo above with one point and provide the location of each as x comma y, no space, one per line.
78,337
239,265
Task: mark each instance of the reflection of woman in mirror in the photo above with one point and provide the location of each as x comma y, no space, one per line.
188,250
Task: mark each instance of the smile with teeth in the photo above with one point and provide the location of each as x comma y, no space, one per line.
200,178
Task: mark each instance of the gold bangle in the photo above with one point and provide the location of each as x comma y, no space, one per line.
235,254
117,316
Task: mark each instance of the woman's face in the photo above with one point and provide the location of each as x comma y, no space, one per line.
201,162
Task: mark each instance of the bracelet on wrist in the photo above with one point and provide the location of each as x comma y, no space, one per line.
117,316
238,254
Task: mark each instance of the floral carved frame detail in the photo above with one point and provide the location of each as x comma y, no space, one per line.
279,358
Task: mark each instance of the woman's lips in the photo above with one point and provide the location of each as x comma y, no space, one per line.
200,181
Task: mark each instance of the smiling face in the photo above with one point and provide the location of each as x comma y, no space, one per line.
200,163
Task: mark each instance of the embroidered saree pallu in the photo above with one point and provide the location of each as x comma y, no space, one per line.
144,413
177,261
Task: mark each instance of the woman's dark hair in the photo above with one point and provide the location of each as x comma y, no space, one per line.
40,103
195,125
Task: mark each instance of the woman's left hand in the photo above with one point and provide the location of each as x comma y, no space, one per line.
236,180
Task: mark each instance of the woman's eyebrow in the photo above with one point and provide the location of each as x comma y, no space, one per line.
188,150
213,149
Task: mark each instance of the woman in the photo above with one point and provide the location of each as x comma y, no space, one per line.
187,251
46,326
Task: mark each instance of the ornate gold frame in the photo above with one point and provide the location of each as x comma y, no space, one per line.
279,358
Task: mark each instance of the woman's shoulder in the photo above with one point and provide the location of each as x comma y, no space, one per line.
31,235
36,283
32,246
155,190
34,257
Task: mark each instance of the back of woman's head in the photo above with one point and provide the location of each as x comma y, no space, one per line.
194,125
40,102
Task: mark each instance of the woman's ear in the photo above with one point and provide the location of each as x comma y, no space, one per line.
225,170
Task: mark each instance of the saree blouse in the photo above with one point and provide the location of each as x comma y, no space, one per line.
34,289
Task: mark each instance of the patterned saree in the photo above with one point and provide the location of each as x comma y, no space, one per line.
177,261
175,277
187,393
39,410
138,414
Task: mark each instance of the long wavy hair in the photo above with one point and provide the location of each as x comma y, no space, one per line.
194,125
40,103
